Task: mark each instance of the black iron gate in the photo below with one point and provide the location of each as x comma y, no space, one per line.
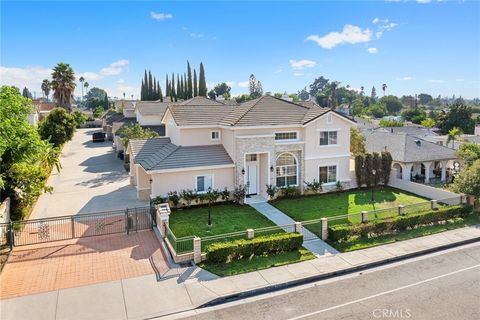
20,233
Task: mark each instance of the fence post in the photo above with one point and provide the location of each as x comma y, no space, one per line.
324,228
298,227
434,204
11,236
127,224
250,233
73,226
197,250
401,210
364,216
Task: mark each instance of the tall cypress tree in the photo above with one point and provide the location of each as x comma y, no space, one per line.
167,87
160,95
189,88
185,87
150,86
172,89
202,83
179,89
155,92
145,86
195,89
142,90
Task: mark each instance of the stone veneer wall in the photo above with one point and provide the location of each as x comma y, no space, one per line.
298,150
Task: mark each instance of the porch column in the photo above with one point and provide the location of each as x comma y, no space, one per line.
444,171
406,168
427,166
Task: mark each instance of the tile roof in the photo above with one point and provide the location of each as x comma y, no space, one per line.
200,101
406,148
152,107
191,115
161,154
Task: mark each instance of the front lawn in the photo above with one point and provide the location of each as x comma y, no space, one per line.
341,203
226,218
257,263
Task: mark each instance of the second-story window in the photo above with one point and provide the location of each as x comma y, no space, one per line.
286,136
328,138
215,135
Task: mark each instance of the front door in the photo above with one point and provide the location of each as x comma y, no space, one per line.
252,178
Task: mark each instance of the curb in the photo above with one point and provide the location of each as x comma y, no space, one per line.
323,276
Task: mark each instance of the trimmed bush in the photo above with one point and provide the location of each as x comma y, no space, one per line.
341,232
222,252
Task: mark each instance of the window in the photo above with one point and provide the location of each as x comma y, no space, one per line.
286,135
204,182
215,135
328,138
251,157
286,170
328,174
329,118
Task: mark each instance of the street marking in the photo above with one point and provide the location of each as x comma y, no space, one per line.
384,293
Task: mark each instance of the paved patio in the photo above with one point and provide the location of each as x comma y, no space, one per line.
92,179
80,262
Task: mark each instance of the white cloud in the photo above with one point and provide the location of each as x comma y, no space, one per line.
405,79
436,81
160,16
350,34
279,70
424,1
114,68
378,34
196,35
375,21
90,76
120,80
244,84
372,50
30,77
302,64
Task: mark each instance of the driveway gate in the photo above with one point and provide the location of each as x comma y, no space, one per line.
20,233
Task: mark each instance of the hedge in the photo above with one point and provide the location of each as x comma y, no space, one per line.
222,252
342,232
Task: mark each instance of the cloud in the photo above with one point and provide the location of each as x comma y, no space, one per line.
405,79
160,16
279,70
301,74
424,1
383,25
350,34
436,81
302,64
244,84
114,68
120,80
196,35
375,21
30,77
90,76
372,50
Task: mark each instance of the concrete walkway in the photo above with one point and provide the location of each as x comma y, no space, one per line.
187,288
312,242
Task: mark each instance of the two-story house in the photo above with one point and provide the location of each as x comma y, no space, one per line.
266,141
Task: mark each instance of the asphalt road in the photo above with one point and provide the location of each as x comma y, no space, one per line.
442,286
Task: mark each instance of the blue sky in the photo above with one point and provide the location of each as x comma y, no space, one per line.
412,47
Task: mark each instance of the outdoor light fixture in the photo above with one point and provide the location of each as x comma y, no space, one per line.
271,168
374,172
151,180
243,171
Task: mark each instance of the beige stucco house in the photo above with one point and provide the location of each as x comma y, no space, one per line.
266,141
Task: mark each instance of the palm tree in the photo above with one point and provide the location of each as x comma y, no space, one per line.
63,85
384,87
362,88
82,79
86,87
452,135
333,93
46,86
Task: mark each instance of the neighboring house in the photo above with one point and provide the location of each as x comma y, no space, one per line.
32,118
414,158
43,108
266,141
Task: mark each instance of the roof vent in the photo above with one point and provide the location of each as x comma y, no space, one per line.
418,143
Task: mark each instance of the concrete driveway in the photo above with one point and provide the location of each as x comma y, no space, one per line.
92,179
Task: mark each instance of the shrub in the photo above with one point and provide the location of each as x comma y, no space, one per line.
158,200
314,186
174,198
239,194
339,186
225,194
188,196
272,190
222,252
58,127
291,192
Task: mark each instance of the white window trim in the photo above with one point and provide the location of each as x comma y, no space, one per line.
336,173
203,175
297,132
327,145
297,165
329,118
219,135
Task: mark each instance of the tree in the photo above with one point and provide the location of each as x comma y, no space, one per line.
195,87
392,104
373,95
459,116
211,94
468,182
98,111
95,98
222,89
386,167
202,83
357,142
79,117
160,94
384,87
385,123
135,132
82,80
332,94
303,94
357,108
415,114
63,85
46,86
167,87
359,170
173,93
106,104
428,123
424,98
377,110
318,86
26,93
469,153
58,127
86,86
453,134
255,87
189,86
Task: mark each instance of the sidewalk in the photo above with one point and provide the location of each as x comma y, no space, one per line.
187,288
314,244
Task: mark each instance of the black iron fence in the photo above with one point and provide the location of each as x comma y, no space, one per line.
20,233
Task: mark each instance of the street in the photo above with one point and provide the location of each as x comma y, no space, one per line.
441,286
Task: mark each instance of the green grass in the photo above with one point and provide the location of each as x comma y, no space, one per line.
347,202
361,243
226,218
255,263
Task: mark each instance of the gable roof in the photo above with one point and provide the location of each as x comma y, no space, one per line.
200,101
406,148
161,154
195,115
152,107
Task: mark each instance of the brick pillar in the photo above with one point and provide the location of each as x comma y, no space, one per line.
324,228
298,227
463,199
364,216
401,210
197,250
434,204
250,233
163,217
